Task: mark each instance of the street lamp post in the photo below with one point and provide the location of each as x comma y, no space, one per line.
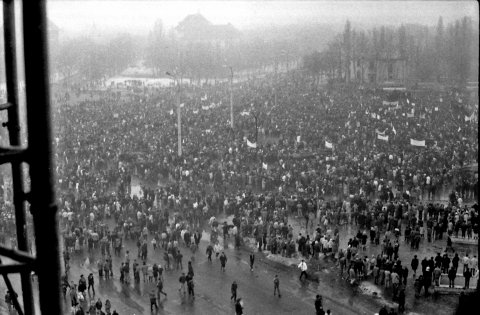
179,113
231,98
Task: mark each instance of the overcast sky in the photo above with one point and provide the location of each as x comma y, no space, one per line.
139,16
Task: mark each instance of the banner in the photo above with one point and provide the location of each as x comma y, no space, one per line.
115,115
417,143
195,112
469,118
171,112
436,109
298,138
387,103
204,98
384,138
374,115
251,145
264,166
182,105
328,145
205,107
245,114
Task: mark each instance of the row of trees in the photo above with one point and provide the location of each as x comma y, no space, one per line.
441,53
211,59
93,60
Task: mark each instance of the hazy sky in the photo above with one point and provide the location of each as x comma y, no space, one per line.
140,16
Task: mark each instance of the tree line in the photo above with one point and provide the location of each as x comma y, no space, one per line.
444,53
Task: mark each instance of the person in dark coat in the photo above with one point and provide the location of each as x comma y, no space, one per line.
401,300
452,273
467,274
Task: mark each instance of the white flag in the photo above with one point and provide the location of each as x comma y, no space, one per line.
436,109
417,143
251,145
182,105
467,118
171,112
393,129
264,165
384,138
298,138
115,115
328,145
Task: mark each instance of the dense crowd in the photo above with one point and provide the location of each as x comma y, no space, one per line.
288,155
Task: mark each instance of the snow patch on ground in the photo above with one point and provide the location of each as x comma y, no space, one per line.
371,289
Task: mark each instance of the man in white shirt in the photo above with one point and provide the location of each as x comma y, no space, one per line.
303,267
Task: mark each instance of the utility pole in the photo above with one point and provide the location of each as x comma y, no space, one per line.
231,99
179,113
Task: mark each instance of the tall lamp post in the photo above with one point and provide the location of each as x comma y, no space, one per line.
179,113
231,95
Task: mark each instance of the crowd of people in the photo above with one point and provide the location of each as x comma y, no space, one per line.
329,157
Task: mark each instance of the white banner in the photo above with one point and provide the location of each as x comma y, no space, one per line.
328,145
251,145
387,103
417,143
264,165
384,138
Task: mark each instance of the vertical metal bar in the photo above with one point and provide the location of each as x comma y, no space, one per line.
43,206
15,140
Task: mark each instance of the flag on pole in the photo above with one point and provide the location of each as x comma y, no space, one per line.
328,145
417,143
264,166
251,145
384,138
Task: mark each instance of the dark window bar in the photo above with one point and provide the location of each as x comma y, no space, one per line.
41,196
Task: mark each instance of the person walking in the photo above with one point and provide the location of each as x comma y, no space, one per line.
276,286
190,285
318,304
153,300
234,291
239,307
252,260
182,281
209,252
160,288
414,265
303,267
91,283
223,261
